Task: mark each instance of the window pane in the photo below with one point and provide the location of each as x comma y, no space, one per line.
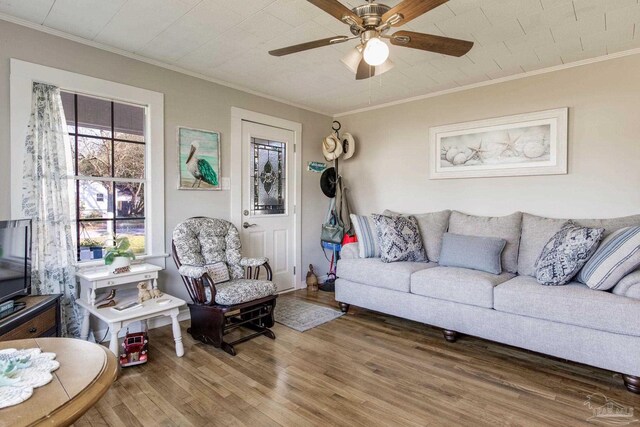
134,230
72,143
94,236
129,159
129,199
94,157
128,122
96,199
69,108
94,116
268,177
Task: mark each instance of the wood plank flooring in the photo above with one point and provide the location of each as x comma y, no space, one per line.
363,369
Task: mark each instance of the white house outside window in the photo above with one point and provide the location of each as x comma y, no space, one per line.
108,150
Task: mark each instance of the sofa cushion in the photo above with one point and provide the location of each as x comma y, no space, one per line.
367,236
474,252
617,256
610,224
399,239
572,304
373,272
565,253
537,230
504,227
432,226
455,284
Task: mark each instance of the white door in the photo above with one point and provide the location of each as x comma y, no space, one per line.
268,195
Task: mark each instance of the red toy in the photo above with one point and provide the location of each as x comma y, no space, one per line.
135,349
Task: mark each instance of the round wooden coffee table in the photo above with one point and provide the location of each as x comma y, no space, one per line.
86,372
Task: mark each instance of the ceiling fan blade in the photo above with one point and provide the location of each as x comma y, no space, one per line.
410,9
431,43
337,10
365,70
308,45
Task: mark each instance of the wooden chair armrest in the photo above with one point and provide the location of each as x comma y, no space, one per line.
253,272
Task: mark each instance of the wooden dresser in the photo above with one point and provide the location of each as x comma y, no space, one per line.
40,318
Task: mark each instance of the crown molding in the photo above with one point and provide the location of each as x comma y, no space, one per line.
137,57
555,68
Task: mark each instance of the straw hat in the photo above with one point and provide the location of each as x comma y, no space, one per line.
331,147
348,145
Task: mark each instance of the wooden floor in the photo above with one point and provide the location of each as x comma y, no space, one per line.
363,369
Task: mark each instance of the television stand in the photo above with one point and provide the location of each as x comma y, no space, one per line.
40,317
11,307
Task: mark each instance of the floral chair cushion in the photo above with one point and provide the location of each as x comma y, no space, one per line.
201,241
241,290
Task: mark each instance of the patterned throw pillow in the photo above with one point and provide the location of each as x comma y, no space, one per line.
565,253
399,239
617,256
367,236
218,272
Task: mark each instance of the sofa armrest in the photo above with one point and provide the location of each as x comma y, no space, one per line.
629,285
350,251
633,291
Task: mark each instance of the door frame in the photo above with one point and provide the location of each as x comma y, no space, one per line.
238,115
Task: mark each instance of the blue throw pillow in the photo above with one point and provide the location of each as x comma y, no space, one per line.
617,256
474,252
566,253
368,244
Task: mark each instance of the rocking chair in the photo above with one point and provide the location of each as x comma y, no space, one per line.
199,246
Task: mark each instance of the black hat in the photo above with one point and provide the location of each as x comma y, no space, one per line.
328,182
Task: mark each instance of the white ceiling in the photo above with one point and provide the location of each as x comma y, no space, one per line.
228,40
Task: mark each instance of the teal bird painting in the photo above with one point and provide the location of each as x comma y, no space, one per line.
200,168
199,159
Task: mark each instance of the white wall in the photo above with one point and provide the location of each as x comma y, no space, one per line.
190,102
390,171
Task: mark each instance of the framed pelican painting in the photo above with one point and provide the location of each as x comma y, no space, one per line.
199,159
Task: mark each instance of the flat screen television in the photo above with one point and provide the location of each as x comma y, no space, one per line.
15,259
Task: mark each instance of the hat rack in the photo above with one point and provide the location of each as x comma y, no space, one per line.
336,126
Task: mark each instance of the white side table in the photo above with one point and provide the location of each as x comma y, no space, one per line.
92,280
119,320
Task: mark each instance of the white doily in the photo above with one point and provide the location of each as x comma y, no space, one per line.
23,370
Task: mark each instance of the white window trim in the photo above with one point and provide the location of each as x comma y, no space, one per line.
23,74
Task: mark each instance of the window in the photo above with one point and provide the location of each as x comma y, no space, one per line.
126,129
268,175
108,145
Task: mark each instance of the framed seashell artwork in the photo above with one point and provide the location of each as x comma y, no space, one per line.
522,144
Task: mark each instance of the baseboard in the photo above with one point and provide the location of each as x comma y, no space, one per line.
156,322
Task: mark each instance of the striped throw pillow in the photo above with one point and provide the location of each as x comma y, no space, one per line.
617,256
367,236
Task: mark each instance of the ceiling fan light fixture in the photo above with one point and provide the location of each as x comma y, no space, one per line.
353,58
375,51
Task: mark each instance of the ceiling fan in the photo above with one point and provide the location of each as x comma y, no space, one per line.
370,23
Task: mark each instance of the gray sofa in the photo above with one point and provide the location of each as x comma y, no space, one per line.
574,322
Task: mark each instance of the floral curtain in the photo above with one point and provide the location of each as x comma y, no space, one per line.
45,199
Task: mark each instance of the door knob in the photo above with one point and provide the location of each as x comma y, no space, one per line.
247,225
